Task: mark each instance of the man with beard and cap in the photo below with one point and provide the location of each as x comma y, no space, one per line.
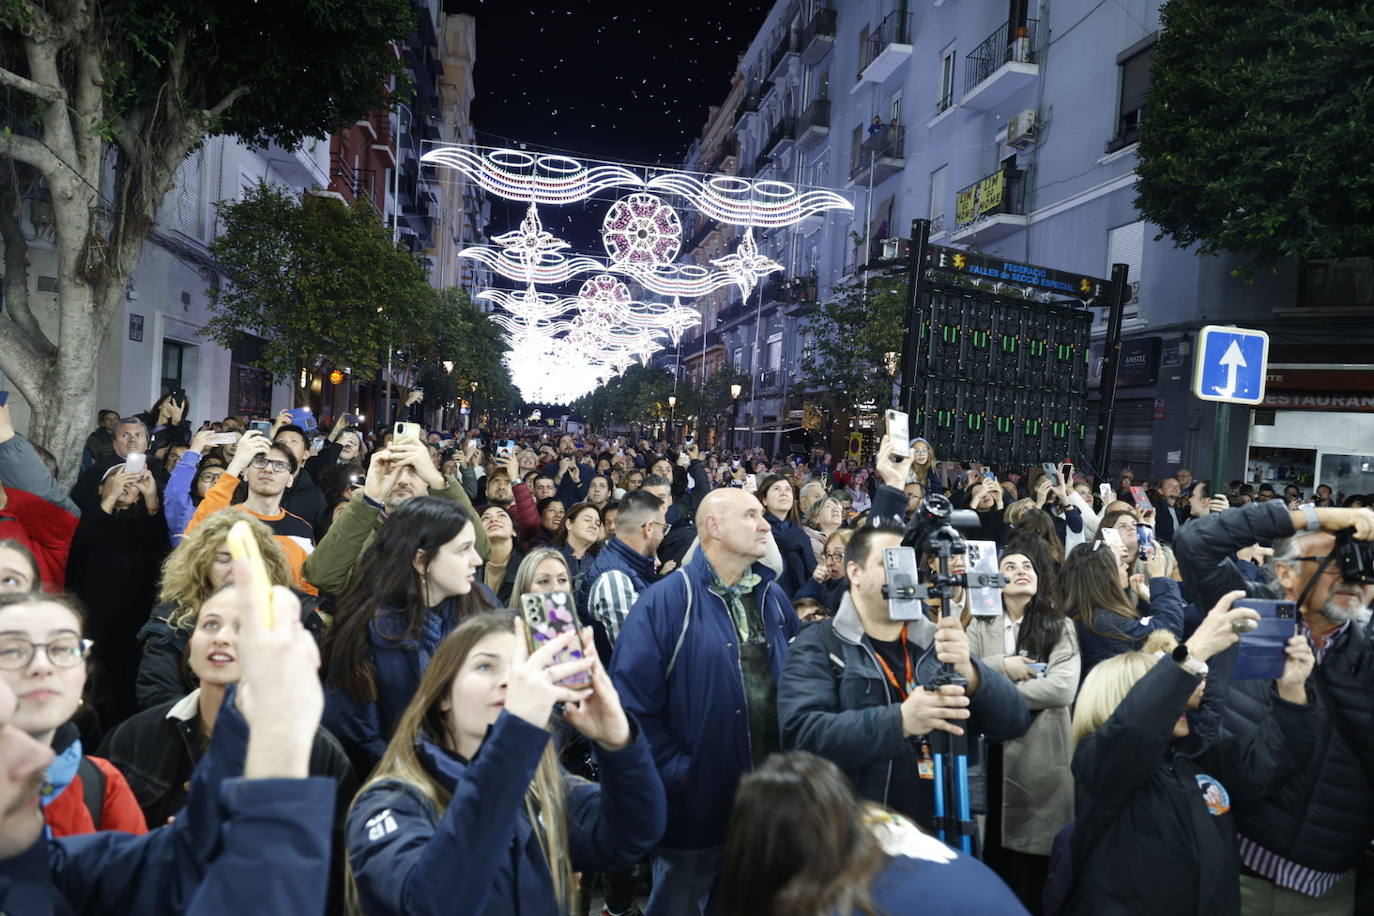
1300,845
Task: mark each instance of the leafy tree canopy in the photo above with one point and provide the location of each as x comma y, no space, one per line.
1260,119
640,395
854,331
315,279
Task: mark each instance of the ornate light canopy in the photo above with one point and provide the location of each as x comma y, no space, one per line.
565,346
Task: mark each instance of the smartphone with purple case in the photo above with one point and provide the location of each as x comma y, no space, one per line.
548,616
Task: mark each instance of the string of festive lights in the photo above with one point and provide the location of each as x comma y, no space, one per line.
556,358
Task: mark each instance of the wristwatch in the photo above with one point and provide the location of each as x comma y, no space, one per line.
1312,523
1180,655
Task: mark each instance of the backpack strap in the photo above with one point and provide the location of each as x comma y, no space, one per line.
686,622
92,788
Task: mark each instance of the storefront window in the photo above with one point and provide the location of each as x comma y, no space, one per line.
1347,475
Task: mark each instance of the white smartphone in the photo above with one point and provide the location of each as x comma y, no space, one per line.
898,433
136,463
1112,537
983,601
224,438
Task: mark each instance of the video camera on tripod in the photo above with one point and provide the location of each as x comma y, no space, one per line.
934,532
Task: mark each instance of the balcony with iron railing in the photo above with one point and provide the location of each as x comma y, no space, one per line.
748,106
881,156
354,184
1004,63
991,208
818,37
729,147
887,48
781,136
770,381
815,123
785,52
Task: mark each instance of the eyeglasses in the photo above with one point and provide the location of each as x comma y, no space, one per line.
16,652
262,462
837,557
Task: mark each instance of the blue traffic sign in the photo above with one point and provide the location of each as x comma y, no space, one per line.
1231,365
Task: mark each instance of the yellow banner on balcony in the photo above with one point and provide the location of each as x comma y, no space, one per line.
980,198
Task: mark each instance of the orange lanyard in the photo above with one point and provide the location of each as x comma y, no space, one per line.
892,678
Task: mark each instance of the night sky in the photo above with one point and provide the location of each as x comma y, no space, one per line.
628,82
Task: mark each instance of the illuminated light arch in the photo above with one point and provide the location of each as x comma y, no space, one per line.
531,177
762,204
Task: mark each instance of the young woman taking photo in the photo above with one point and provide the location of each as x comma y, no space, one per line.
414,584
469,811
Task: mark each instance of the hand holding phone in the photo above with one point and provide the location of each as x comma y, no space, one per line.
898,435
1263,643
547,617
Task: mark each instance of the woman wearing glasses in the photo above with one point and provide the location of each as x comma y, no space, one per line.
268,469
43,660
828,583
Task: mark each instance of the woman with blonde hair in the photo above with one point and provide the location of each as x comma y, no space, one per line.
198,567
468,810
1153,786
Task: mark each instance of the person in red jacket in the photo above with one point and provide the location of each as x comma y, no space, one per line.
33,509
43,660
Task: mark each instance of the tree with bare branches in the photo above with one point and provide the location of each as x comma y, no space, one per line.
101,100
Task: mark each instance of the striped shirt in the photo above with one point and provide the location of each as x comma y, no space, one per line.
612,596
1281,871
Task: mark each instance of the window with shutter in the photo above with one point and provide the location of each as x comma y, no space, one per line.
190,215
1126,245
937,199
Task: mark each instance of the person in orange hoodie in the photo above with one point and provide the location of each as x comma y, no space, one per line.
43,660
268,469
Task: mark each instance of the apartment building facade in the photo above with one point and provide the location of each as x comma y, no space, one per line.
1013,126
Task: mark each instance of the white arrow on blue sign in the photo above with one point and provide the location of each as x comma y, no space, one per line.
1231,365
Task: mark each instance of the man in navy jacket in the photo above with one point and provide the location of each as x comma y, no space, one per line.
697,665
259,843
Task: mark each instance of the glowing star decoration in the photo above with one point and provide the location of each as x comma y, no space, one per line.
746,265
641,231
531,241
536,178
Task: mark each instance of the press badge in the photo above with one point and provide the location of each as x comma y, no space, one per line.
925,764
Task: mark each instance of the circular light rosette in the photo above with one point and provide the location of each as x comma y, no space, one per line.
641,231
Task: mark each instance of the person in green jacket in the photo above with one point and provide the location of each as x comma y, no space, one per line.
404,469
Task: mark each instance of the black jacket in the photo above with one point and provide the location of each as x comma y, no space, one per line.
1146,838
854,718
798,556
306,499
1322,818
162,674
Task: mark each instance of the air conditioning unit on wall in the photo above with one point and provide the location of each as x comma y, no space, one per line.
1021,129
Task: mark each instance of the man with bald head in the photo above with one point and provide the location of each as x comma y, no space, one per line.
697,664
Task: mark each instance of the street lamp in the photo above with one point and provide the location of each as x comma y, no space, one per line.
734,413
472,408
672,408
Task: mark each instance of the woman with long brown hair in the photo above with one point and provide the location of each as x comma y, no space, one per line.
469,811
1093,592
801,843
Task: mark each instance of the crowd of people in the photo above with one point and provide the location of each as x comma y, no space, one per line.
738,724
